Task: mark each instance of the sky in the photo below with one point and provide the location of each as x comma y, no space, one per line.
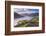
25,10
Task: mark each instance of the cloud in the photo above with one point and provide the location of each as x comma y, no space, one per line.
25,10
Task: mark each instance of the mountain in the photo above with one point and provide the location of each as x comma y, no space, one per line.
16,15
35,19
32,14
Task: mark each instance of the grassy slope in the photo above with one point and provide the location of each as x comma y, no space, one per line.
24,22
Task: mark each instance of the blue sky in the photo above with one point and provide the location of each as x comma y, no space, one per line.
25,10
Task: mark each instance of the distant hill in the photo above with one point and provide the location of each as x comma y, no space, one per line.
16,15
